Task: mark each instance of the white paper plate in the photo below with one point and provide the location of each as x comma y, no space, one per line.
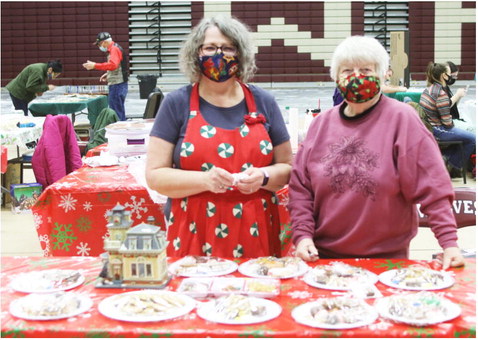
208,312
364,277
109,306
249,268
302,315
41,282
387,278
452,311
203,270
18,306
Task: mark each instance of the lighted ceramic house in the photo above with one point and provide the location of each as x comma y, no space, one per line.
144,255
135,257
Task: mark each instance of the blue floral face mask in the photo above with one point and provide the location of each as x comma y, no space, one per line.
218,67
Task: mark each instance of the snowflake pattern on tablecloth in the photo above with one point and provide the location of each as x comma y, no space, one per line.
37,220
87,206
136,207
83,249
46,240
68,202
83,223
64,236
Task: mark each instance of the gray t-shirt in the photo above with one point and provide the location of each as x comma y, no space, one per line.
171,121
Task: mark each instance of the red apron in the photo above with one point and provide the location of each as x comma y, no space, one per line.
228,224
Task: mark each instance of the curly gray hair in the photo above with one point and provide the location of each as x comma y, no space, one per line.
233,29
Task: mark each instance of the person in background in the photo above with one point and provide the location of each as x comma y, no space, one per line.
455,99
31,82
389,88
364,166
437,106
116,74
337,97
219,149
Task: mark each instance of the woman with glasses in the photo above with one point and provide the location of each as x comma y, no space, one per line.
437,106
219,149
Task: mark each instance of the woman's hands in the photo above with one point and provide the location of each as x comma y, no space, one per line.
451,257
306,250
219,180
253,181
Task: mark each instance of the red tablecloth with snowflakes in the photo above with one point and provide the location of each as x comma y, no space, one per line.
293,293
70,215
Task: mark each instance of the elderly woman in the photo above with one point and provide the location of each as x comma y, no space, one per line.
219,149
363,167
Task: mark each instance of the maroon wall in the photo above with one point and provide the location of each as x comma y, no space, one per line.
35,32
39,31
279,63
422,32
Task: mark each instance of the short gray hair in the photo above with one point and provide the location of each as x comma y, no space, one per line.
232,28
360,50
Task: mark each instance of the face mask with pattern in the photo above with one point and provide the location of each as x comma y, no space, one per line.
218,67
359,89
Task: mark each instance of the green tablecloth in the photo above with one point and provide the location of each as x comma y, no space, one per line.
415,96
70,104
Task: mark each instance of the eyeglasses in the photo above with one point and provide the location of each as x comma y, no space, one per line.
229,51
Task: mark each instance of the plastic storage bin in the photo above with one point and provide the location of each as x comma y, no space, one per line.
128,138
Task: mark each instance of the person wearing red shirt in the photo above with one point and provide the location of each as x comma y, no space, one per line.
116,75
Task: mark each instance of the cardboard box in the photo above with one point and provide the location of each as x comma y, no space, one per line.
24,196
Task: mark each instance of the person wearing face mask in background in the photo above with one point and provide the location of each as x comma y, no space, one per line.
31,82
437,107
116,72
455,99
363,167
219,149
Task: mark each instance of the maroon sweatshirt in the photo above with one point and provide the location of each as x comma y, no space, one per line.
355,183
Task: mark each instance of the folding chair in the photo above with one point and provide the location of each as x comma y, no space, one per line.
153,103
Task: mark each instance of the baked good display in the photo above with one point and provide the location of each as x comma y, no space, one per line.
417,277
44,281
239,309
50,306
146,305
220,286
335,313
275,267
418,309
202,266
339,276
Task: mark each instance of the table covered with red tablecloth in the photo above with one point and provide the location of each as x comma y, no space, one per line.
70,215
293,292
